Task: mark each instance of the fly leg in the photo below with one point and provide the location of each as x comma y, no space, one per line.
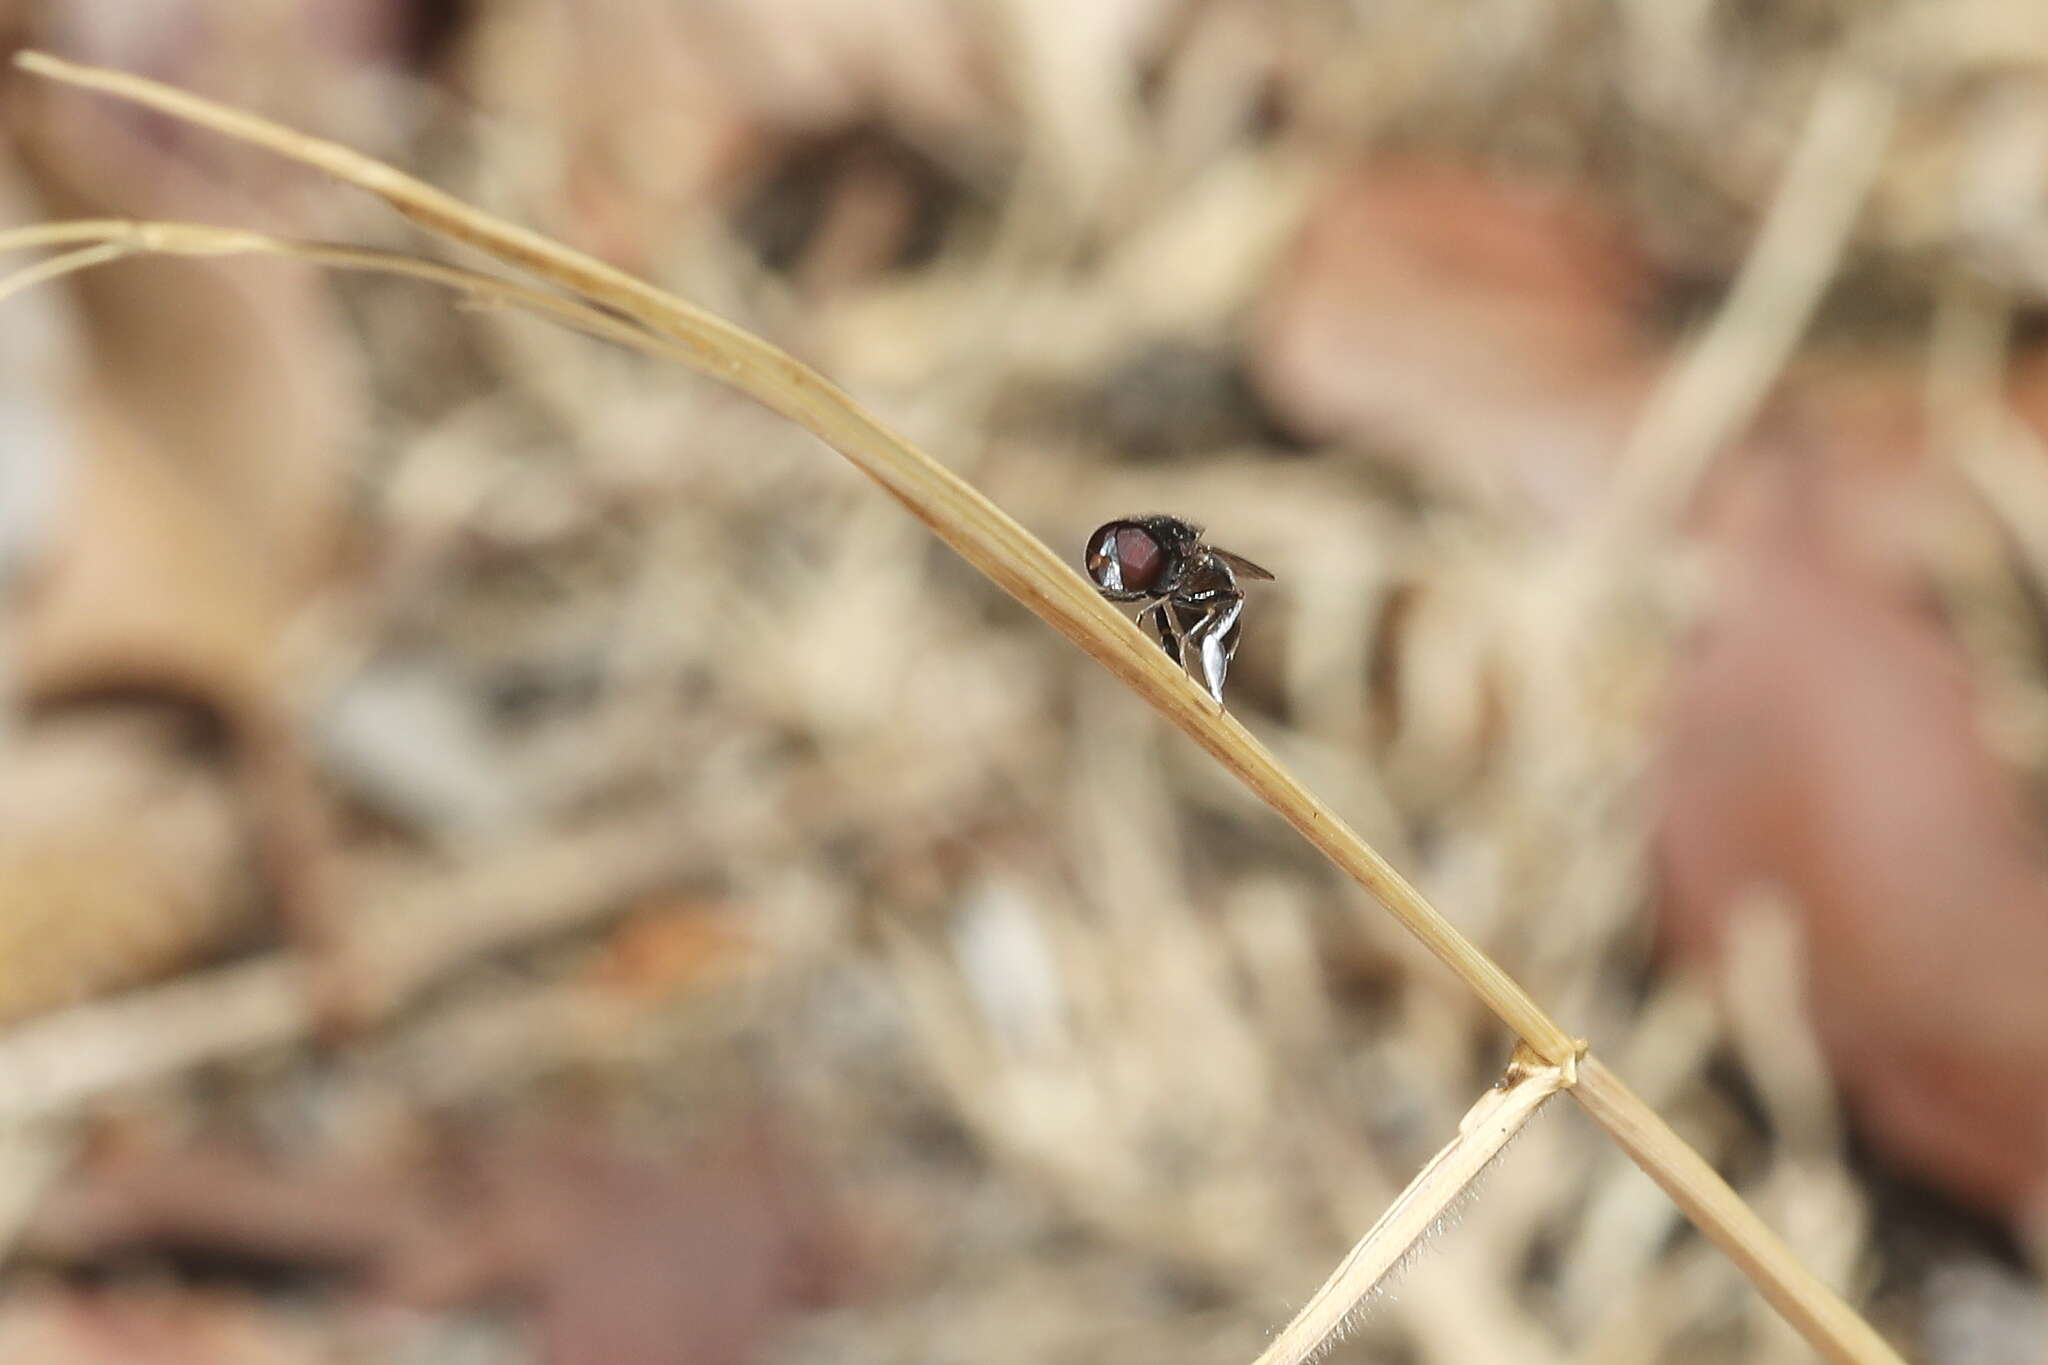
1167,625
1214,640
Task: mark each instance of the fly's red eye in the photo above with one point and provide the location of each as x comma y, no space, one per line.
1126,558
1133,559
1140,557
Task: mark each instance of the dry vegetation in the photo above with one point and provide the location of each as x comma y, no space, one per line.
748,935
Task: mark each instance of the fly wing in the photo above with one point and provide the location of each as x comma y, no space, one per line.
1241,565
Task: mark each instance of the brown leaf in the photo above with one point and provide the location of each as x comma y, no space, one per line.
211,408
1486,331
149,584
208,423
132,1194
622,1254
1823,741
234,375
638,1258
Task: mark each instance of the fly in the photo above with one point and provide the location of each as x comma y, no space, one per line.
1193,603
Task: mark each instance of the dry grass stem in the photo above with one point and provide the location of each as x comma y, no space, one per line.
120,238
656,322
1818,1314
980,532
57,266
1419,1210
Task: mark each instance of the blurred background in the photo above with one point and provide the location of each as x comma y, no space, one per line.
510,853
